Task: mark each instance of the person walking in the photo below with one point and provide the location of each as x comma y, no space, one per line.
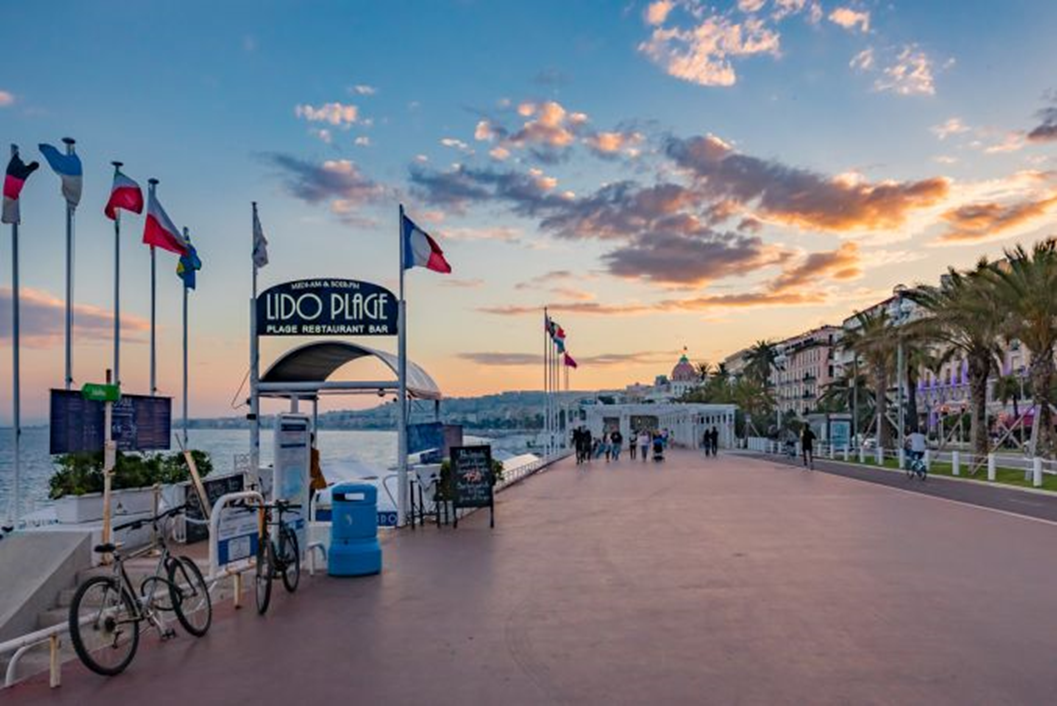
807,446
713,440
644,444
617,440
706,442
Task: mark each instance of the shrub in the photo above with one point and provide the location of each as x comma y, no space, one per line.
82,473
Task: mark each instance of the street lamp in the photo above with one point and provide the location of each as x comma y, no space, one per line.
898,314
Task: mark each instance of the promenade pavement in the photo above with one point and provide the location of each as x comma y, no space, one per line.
729,580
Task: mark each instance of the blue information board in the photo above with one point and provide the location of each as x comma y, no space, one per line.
421,437
138,423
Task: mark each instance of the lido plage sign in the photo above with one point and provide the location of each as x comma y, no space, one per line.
327,307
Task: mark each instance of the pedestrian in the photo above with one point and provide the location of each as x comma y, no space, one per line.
617,440
605,446
713,440
644,443
706,442
632,444
588,444
807,446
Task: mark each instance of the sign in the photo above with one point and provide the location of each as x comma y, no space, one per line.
290,475
387,519
422,437
471,479
100,393
237,537
138,423
215,486
840,433
327,307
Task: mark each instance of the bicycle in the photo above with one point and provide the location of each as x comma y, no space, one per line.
917,467
106,611
282,558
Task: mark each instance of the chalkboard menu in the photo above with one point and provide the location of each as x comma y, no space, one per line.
471,469
214,487
138,423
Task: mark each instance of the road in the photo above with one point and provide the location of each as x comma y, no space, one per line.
696,581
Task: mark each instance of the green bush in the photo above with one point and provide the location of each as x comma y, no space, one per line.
82,473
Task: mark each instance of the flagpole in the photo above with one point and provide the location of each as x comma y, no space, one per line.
16,392
153,291
255,422
401,427
187,238
546,386
117,288
69,142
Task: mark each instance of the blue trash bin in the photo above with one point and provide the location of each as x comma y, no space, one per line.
354,547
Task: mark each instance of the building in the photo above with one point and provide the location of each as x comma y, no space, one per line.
666,388
685,422
806,363
736,363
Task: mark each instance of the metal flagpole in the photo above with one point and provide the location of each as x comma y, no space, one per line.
255,422
15,386
69,142
153,291
546,385
187,238
117,288
401,427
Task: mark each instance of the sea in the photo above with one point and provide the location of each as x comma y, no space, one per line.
373,448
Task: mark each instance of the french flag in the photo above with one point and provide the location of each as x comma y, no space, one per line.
125,194
15,178
160,231
420,250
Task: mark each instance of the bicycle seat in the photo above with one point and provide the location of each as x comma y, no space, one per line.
108,548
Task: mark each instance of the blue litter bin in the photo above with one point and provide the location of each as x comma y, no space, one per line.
354,547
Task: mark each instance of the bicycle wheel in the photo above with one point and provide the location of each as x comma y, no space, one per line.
104,627
291,558
263,576
190,596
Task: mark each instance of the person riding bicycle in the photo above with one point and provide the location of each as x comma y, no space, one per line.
917,445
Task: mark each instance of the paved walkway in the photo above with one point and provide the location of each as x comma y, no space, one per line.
730,580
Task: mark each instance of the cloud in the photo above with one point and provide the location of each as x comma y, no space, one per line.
910,73
461,283
497,233
499,153
975,222
460,186
747,6
456,144
635,358
863,61
842,264
362,141
6,99
363,89
503,359
548,279
849,19
336,114
325,136
704,53
612,144
1011,142
42,322
1046,130
800,197
551,77
338,181
696,259
657,12
953,126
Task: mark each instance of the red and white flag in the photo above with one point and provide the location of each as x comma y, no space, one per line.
160,231
125,194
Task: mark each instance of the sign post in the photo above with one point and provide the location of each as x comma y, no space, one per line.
108,394
472,481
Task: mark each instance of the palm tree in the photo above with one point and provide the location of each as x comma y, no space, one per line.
964,317
760,359
1010,388
704,370
1026,285
875,345
839,395
721,373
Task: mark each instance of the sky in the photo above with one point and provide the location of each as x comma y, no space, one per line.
661,175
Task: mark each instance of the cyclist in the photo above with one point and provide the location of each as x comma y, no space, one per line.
917,447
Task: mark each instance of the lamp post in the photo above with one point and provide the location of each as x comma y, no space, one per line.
898,318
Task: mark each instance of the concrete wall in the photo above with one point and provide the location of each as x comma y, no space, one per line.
34,568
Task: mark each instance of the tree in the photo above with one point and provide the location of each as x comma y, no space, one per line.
759,361
1010,388
875,345
839,396
704,370
964,316
1026,286
721,373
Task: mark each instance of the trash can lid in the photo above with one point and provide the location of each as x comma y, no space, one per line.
354,492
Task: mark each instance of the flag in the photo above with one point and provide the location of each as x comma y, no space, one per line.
420,250
17,173
188,265
260,243
124,194
569,361
160,231
68,167
559,343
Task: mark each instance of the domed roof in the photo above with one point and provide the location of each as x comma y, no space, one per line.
684,371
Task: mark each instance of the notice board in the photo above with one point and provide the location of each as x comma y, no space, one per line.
214,487
471,479
138,423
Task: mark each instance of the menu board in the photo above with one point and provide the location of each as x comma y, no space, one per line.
214,487
471,468
138,423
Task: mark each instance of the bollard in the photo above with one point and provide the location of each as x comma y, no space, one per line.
1036,472
845,452
862,454
990,467
237,584
902,459
880,456
955,464
832,451
54,662
928,460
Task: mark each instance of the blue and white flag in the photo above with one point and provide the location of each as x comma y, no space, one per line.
68,167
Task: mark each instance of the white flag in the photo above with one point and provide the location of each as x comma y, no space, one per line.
260,243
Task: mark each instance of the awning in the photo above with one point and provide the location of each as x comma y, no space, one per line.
309,366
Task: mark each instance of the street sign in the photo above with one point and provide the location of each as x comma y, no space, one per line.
97,392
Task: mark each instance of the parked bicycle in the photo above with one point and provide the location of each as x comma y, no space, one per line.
276,557
107,611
